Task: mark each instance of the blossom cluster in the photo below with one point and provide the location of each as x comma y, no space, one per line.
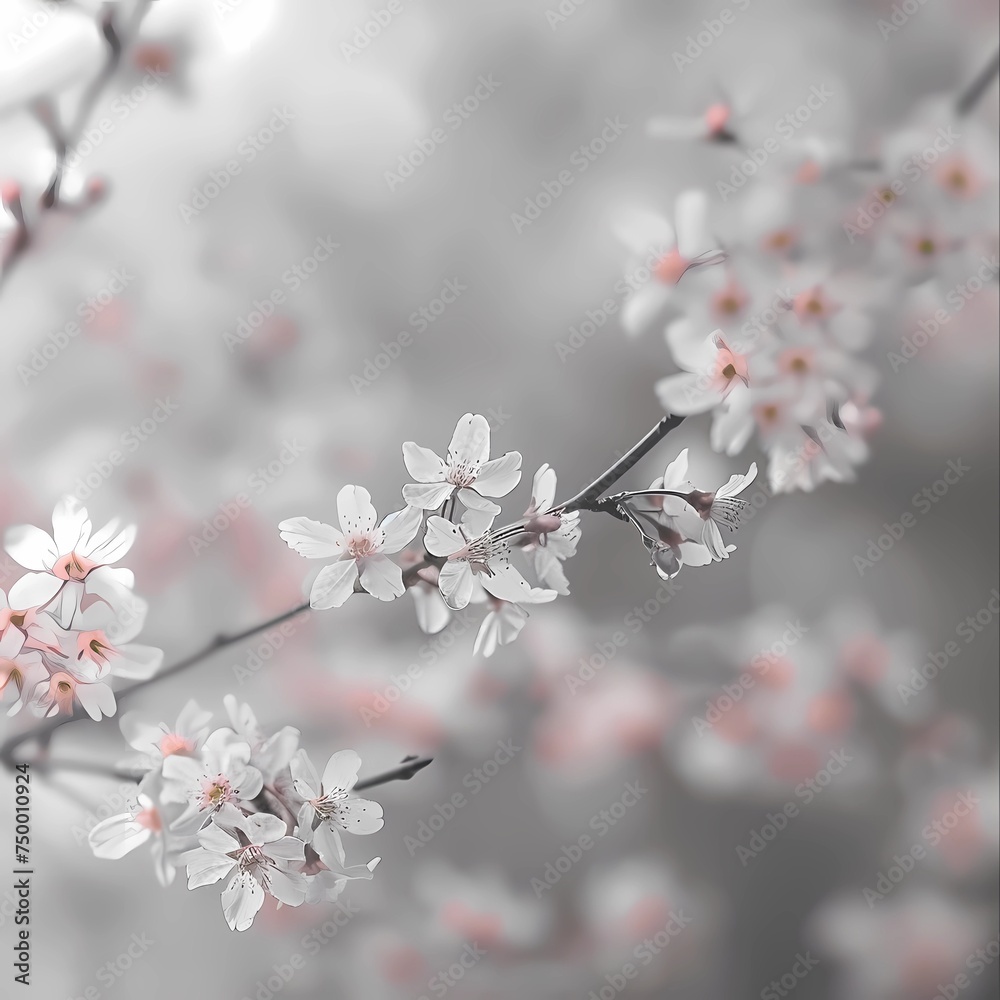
768,324
465,560
67,625
235,803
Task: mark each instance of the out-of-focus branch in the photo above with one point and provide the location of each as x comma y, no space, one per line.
972,94
116,37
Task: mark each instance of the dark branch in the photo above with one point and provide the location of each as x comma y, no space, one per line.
970,97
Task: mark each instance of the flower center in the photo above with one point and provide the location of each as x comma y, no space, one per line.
461,474
926,246
73,567
329,803
215,792
173,743
360,546
671,267
150,820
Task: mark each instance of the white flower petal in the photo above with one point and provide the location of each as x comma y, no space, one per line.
427,497
499,477
33,590
442,537
470,444
687,393
355,510
312,539
334,585
424,465
70,525
30,547
456,582
341,771
305,778
116,836
359,816
241,901
381,577
399,528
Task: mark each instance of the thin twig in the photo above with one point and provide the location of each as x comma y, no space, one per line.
969,98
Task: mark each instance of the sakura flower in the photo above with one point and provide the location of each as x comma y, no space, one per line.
553,537
221,776
124,658
20,672
679,248
20,614
73,559
156,741
329,806
362,550
119,835
669,548
714,125
487,556
432,613
324,883
467,472
270,754
501,626
715,510
58,693
261,854
713,370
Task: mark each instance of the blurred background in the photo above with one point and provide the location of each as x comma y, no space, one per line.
285,243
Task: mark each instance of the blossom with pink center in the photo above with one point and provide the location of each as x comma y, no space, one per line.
104,638
155,741
330,807
674,249
269,754
552,537
58,694
719,509
361,548
263,857
467,473
486,556
220,775
121,834
74,559
712,370
20,675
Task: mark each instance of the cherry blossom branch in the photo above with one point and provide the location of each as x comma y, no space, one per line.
587,498
970,97
63,139
43,732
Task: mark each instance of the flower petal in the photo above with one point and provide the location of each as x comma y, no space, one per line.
354,507
33,590
312,539
424,465
341,771
334,585
456,583
442,537
427,497
399,528
241,901
30,547
499,477
115,836
381,577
